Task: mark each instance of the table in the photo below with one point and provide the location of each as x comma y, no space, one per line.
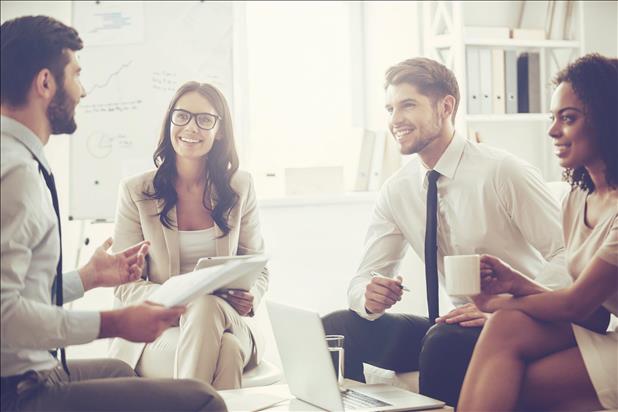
276,398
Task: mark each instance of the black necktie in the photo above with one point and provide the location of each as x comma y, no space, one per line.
431,246
57,284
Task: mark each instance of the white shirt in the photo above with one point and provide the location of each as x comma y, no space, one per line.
489,201
195,244
31,324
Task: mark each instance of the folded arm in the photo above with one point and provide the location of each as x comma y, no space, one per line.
579,303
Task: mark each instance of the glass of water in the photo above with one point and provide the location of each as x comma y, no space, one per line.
335,347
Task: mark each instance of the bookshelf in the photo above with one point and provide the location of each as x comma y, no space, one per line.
442,41
446,38
516,117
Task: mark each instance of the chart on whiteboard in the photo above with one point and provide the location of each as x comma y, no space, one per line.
135,56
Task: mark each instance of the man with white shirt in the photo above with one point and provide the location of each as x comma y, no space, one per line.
39,92
456,197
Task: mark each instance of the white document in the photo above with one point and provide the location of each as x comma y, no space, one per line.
375,176
474,80
255,401
510,80
485,80
497,81
181,289
365,160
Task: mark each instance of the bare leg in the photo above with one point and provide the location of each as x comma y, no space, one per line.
509,341
559,382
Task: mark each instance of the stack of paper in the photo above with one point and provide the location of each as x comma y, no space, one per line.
181,289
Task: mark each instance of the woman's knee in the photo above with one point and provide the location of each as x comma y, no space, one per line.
508,321
509,328
206,307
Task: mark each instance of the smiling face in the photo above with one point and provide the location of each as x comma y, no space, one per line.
412,117
190,141
574,142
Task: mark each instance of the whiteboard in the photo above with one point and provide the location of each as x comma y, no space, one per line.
135,56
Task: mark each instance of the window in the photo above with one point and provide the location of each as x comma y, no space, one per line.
300,83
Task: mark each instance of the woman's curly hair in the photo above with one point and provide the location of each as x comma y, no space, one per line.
594,80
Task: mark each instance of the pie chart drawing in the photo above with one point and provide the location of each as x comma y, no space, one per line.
99,145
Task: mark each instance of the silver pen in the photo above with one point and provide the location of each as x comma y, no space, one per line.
402,286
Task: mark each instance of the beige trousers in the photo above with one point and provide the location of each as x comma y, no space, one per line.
214,345
105,385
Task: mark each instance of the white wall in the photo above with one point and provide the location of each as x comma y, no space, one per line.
601,27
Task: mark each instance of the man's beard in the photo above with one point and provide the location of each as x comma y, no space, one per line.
60,113
429,135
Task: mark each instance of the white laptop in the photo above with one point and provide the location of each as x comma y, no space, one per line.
310,373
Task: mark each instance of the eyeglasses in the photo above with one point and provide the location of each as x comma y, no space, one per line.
204,121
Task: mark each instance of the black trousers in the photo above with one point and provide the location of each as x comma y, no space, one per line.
406,343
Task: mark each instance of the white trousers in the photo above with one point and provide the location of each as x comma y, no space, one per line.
214,345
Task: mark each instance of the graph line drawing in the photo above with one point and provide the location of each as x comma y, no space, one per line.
109,78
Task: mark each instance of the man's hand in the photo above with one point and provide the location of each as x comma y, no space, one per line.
104,269
467,316
141,323
382,293
240,300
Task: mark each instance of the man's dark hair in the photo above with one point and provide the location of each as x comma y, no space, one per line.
428,76
594,79
29,45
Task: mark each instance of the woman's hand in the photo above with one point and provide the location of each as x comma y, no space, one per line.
240,300
498,277
488,303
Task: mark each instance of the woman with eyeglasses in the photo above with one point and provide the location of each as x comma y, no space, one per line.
196,203
550,350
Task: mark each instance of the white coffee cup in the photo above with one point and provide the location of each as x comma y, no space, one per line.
462,275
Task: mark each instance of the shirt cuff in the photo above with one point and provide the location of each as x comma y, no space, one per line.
72,286
357,304
82,326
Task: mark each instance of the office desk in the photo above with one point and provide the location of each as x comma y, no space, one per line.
265,396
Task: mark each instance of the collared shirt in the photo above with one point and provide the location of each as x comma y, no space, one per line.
31,324
489,201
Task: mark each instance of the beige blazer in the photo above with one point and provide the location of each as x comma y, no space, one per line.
137,219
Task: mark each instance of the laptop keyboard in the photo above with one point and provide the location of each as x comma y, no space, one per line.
355,400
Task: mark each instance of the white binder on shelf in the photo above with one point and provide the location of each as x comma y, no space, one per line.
474,81
534,82
485,80
510,80
365,159
497,81
375,177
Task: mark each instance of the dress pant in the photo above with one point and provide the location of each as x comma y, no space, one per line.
215,343
104,385
406,343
